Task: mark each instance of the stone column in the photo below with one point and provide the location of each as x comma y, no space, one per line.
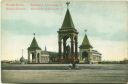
60,48
72,46
76,49
36,60
64,48
28,57
39,57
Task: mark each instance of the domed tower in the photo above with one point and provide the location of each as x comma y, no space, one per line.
22,59
34,52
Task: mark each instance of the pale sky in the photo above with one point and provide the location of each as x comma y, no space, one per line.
106,24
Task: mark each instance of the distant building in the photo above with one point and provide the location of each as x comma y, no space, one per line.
44,57
87,54
22,60
35,53
53,57
6,62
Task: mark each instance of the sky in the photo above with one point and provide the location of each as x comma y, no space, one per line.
105,22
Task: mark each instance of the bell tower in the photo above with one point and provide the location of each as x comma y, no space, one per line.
68,53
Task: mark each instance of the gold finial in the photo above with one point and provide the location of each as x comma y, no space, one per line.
67,3
85,30
34,34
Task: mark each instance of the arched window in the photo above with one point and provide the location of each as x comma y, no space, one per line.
32,57
84,55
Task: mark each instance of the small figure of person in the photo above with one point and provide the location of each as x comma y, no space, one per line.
70,66
77,66
73,65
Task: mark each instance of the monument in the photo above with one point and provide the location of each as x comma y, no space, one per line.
68,53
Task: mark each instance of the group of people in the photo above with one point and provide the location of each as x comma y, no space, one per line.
73,66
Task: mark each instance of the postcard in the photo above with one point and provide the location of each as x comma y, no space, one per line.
64,41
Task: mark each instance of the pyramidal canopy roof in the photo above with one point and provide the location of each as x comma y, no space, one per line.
34,45
86,44
67,23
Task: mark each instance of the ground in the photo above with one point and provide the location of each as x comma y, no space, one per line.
57,73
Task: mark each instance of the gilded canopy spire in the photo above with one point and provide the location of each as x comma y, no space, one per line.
68,22
67,3
34,34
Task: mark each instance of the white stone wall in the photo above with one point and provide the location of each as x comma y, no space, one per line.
44,58
92,57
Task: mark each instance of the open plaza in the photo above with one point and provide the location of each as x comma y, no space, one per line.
58,73
97,60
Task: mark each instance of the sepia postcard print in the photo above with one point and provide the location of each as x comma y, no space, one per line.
64,41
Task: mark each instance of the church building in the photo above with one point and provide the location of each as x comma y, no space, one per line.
87,54
35,53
